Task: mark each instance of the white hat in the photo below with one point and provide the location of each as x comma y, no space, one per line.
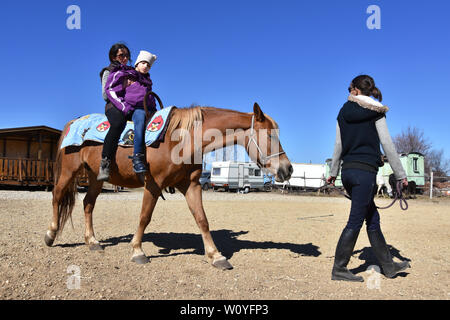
145,56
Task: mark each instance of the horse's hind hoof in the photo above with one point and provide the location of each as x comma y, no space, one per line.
140,259
222,264
95,247
48,241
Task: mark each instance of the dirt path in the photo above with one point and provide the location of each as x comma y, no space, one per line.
281,247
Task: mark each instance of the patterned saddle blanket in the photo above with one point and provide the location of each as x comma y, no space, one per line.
94,127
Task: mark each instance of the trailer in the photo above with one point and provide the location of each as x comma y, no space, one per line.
237,176
306,176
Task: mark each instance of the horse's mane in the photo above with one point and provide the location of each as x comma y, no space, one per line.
184,119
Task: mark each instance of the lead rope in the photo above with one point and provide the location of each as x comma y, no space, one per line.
398,196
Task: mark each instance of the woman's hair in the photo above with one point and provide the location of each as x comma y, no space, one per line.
366,84
115,48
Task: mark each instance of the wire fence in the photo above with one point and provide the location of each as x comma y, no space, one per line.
436,186
441,184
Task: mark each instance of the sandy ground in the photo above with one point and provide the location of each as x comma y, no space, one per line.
281,247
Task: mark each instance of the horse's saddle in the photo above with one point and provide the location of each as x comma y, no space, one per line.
94,127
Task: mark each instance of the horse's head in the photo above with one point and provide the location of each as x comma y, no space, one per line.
264,146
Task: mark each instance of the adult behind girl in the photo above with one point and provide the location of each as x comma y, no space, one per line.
119,54
361,126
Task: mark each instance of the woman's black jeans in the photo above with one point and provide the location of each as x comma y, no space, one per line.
117,121
361,186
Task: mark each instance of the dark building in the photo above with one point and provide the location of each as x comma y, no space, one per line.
27,155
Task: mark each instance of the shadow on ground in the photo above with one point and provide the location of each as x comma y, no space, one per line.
226,241
367,255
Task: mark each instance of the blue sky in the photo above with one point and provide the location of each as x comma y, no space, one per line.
295,58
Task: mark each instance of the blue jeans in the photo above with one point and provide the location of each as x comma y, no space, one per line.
138,118
361,186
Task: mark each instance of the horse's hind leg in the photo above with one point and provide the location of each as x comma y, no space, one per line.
95,187
192,191
63,201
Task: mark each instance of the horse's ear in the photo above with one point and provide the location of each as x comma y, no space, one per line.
259,115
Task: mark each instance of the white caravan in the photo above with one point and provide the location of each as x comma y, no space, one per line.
305,176
231,175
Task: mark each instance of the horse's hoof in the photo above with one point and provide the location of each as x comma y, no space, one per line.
142,259
48,241
95,247
222,264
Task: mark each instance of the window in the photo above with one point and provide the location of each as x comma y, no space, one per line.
216,172
251,171
257,172
415,165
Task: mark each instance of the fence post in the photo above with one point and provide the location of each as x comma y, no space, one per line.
431,183
20,169
46,171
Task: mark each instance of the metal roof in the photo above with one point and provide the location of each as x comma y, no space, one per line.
30,130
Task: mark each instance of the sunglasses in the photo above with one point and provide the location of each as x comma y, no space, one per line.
122,55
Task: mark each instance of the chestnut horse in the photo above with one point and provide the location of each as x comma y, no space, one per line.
166,171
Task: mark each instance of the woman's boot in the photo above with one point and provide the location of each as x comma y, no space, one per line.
344,250
379,246
103,172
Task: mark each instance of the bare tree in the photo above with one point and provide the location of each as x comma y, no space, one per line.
435,160
413,140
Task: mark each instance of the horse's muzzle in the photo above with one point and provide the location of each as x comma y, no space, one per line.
284,173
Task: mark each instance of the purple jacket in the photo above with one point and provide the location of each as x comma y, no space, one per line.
127,98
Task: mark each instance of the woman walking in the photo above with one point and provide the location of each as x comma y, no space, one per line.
361,127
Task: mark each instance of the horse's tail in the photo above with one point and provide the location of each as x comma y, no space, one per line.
65,206
67,201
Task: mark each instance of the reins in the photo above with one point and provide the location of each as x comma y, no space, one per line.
148,116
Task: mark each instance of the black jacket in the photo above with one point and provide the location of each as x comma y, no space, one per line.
359,136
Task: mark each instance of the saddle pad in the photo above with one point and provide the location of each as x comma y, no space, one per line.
94,127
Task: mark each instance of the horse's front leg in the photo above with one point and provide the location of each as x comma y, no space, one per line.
151,194
193,194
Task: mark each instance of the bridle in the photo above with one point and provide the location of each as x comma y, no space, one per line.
263,159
